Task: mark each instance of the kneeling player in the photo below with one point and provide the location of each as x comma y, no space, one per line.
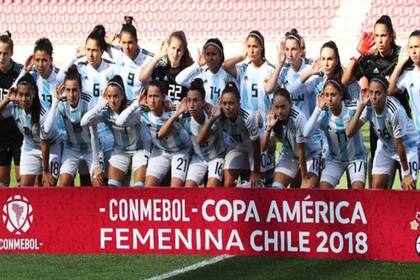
344,153
396,132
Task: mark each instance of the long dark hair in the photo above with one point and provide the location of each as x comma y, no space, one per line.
73,74
128,27
28,80
118,82
98,34
232,88
338,71
198,85
336,83
386,20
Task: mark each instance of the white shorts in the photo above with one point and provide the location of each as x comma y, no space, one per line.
72,159
383,162
289,166
122,160
160,162
31,160
239,159
198,169
334,169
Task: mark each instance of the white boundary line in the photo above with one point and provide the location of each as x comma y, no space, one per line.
190,268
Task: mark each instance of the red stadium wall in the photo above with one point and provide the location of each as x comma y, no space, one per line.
379,225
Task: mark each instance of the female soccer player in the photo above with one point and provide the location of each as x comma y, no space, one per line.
40,66
410,77
241,126
131,142
396,132
72,106
41,152
174,57
129,59
344,153
208,156
209,69
171,147
252,77
298,152
91,66
11,141
287,75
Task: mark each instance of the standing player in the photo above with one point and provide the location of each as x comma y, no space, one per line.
40,66
11,141
344,153
397,135
298,152
252,77
410,77
132,143
208,156
241,126
129,59
40,153
171,147
209,69
288,75
174,57
78,144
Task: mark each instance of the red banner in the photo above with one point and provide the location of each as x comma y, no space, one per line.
343,224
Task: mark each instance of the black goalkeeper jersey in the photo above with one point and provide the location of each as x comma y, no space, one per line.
9,133
377,65
166,74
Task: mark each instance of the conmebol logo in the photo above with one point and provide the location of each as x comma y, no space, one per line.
17,214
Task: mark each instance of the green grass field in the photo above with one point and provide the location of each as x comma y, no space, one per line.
144,267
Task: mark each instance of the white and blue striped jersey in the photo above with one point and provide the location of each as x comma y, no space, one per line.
340,147
252,86
129,70
391,124
77,137
291,134
32,133
92,83
213,147
46,87
242,131
289,79
127,138
410,81
214,83
177,140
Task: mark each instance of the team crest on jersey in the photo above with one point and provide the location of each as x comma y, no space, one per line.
246,78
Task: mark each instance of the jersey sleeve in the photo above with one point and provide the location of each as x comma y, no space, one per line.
240,70
51,116
129,116
7,111
314,122
366,115
399,128
94,115
300,125
252,126
186,76
402,81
